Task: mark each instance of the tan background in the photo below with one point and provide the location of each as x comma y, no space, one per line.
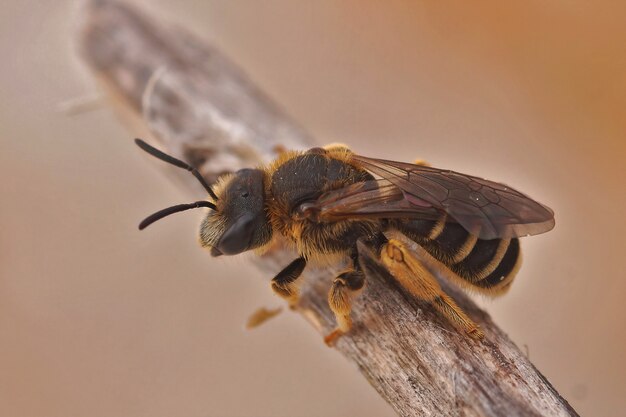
97,319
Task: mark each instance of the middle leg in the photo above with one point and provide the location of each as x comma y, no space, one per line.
345,287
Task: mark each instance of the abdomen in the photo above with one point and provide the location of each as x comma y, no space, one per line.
487,266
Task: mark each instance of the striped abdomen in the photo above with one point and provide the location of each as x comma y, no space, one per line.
486,265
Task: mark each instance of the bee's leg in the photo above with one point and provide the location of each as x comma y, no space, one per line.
347,285
344,288
285,283
421,283
421,162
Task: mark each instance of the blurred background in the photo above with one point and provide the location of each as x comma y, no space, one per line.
97,319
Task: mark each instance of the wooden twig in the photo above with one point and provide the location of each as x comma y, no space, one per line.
200,107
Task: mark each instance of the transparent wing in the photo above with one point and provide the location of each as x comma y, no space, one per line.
371,199
484,208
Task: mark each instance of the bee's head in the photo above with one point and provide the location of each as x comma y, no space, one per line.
237,221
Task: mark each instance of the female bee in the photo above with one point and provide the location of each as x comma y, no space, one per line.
326,201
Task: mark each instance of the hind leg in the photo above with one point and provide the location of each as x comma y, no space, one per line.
420,282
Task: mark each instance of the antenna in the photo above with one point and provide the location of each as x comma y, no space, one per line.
171,210
177,162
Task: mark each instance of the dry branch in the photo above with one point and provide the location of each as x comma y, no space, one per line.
200,107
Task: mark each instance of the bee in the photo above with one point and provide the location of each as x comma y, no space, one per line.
330,202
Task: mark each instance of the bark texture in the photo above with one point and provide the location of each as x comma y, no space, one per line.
191,101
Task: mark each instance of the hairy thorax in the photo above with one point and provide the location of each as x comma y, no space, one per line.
298,178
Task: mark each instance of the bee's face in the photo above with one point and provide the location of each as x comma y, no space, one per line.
239,222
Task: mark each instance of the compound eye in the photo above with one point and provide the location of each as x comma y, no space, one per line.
238,236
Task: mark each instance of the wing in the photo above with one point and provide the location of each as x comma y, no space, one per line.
484,208
368,199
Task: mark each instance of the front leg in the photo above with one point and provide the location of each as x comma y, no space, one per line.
285,283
